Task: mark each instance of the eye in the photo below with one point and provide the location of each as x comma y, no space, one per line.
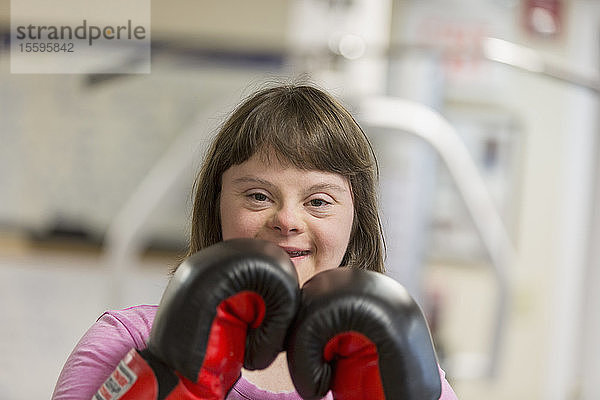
258,196
318,203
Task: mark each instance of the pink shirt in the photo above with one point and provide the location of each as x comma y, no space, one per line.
115,333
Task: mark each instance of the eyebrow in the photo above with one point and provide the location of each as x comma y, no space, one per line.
252,179
324,186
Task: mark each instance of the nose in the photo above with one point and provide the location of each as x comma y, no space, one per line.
287,221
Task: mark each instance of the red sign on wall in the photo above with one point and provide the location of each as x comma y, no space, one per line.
543,17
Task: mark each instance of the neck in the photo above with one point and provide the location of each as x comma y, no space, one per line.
274,378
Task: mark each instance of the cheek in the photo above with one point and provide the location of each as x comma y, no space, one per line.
344,240
335,240
238,223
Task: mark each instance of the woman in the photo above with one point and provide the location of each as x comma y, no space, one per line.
290,166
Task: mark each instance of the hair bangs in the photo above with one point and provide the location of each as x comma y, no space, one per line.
302,133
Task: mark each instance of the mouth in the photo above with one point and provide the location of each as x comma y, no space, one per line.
295,254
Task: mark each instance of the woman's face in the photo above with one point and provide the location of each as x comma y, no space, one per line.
307,213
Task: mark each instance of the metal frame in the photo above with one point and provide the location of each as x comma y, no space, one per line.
405,116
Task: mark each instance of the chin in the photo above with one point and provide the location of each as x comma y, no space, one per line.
304,275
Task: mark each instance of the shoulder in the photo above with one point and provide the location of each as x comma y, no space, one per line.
131,324
101,348
447,391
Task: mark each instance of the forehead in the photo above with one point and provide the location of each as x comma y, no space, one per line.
273,169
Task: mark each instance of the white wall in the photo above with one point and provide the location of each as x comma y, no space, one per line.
49,300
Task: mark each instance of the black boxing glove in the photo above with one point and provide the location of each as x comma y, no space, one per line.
360,334
226,306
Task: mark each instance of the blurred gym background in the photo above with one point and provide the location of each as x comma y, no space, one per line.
484,115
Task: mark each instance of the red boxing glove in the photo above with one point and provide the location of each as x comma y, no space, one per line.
227,306
359,334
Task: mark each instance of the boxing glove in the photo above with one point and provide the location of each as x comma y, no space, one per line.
228,305
359,334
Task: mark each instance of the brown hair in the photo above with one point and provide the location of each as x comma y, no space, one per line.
309,129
